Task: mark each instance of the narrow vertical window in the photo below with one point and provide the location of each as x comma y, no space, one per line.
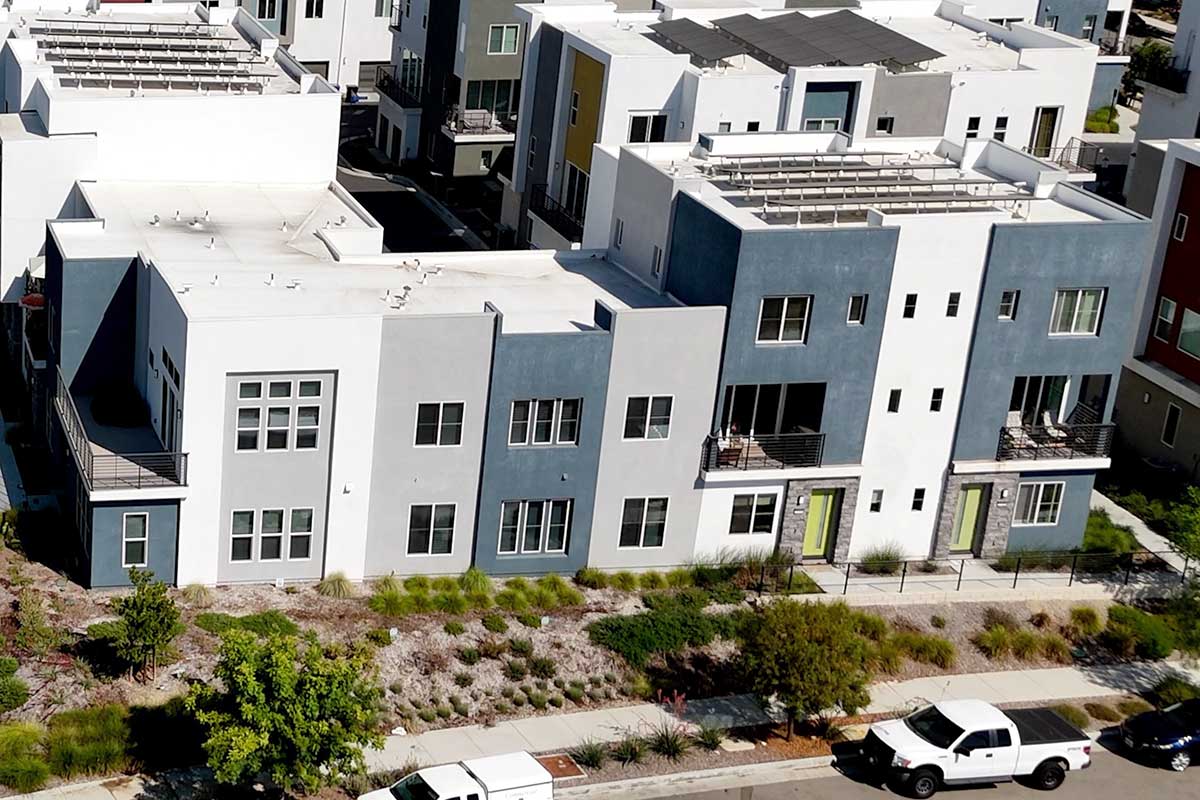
910,306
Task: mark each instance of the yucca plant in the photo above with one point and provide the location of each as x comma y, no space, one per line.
589,754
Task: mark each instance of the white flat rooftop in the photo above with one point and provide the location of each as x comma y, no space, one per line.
242,262
962,48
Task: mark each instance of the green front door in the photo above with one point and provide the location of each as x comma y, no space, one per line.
823,509
967,518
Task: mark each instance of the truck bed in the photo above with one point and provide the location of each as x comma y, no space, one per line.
1043,726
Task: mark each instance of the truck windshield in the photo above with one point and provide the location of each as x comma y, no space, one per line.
413,788
933,727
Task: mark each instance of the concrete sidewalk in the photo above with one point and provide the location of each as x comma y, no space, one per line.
1146,537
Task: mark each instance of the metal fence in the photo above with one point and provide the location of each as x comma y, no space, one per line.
1033,442
555,213
778,451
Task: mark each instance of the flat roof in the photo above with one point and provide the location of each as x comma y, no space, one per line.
960,47
258,250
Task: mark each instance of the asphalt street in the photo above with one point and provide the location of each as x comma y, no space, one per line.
1111,776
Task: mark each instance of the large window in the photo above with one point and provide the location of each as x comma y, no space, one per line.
534,526
1164,319
1076,311
1189,333
577,187
502,40
547,421
439,424
501,97
648,417
300,533
431,529
1035,398
1038,503
290,419
242,536
135,536
647,128
643,522
273,525
270,539
784,319
753,513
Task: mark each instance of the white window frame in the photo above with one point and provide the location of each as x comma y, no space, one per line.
144,539
973,131
875,505
515,28
647,420
1169,320
441,409
755,514
309,382
862,310
1010,298
314,9
544,532
649,116
824,124
889,125
1183,323
641,545
287,384
1039,488
252,535
1088,29
1060,296
239,429
555,422
292,533
280,534
1179,228
255,386
433,508
788,299
287,429
1000,132
1162,435
314,429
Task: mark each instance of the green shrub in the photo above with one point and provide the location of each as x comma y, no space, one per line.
88,741
268,623
444,583
529,619
388,602
24,774
9,665
724,594
1026,645
1103,536
556,700
710,737
1171,690
1086,620
1133,707
926,649
454,628
679,578
388,583
668,628
19,739
493,648
416,583
495,623
1072,714
882,559
1055,648
443,711
937,621
479,601
417,602
543,667
14,693
469,656
872,626
519,699
625,580
462,709
669,740
885,657
574,694
544,598
1152,636
427,715
450,601
998,617
569,596
994,642
1102,712
335,584
196,595
210,621
591,578
1102,120
475,580
511,600
380,637
652,580
640,687
589,754
515,670
463,679
522,648
630,750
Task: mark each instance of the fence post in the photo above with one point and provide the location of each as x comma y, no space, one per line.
791,575
961,565
903,574
1074,561
1128,569
846,585
1017,572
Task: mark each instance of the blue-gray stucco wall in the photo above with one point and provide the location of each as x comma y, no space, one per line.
1037,259
1072,515
1105,83
106,540
830,100
1070,15
703,254
542,365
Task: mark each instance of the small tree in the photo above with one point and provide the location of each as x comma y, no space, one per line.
149,621
807,657
1149,58
298,711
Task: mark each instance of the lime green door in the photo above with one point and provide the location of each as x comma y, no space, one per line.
823,509
967,518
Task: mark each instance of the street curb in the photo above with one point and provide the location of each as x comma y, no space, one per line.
653,786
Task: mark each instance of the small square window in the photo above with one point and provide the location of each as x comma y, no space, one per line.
876,501
1009,299
972,127
251,390
310,388
1164,319
910,306
856,314
1179,230
952,304
278,423
1001,129
752,127
935,399
894,401
885,125
724,127
918,499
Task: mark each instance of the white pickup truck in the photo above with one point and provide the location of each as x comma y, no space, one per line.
513,776
969,741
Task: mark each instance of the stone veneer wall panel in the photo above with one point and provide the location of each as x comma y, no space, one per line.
999,513
791,536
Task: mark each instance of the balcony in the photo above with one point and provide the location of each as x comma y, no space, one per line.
386,83
1078,156
480,122
1167,76
111,457
1056,441
555,214
774,451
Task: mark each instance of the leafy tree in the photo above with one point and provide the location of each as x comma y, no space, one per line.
806,656
1147,59
148,621
296,710
1184,523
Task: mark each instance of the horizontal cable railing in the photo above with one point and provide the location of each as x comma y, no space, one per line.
72,425
386,83
1076,156
773,451
479,120
1035,442
555,213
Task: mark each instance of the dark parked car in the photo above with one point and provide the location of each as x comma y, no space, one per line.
1169,736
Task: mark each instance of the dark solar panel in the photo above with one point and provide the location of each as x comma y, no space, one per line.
704,43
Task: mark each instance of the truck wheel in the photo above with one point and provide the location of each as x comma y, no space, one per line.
1180,761
923,784
1049,776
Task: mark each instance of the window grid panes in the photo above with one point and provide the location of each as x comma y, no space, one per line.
279,421
1008,304
784,319
439,424
546,422
1189,333
935,399
1164,319
753,513
1170,425
431,529
270,539
876,500
300,531
952,304
910,306
135,537
1076,311
1038,503
648,417
248,421
643,522
502,40
242,536
856,314
534,526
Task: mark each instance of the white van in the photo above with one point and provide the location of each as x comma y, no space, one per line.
513,776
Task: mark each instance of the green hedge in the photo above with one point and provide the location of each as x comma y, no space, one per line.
1131,631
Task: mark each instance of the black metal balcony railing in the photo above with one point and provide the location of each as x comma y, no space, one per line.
386,83
479,120
1077,156
555,214
1167,76
114,470
1037,442
1110,45
775,451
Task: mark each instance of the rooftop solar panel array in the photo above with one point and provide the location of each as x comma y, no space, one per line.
841,38
706,44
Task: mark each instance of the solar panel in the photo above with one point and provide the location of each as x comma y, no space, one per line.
706,44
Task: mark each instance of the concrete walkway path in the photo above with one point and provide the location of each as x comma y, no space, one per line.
1146,537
